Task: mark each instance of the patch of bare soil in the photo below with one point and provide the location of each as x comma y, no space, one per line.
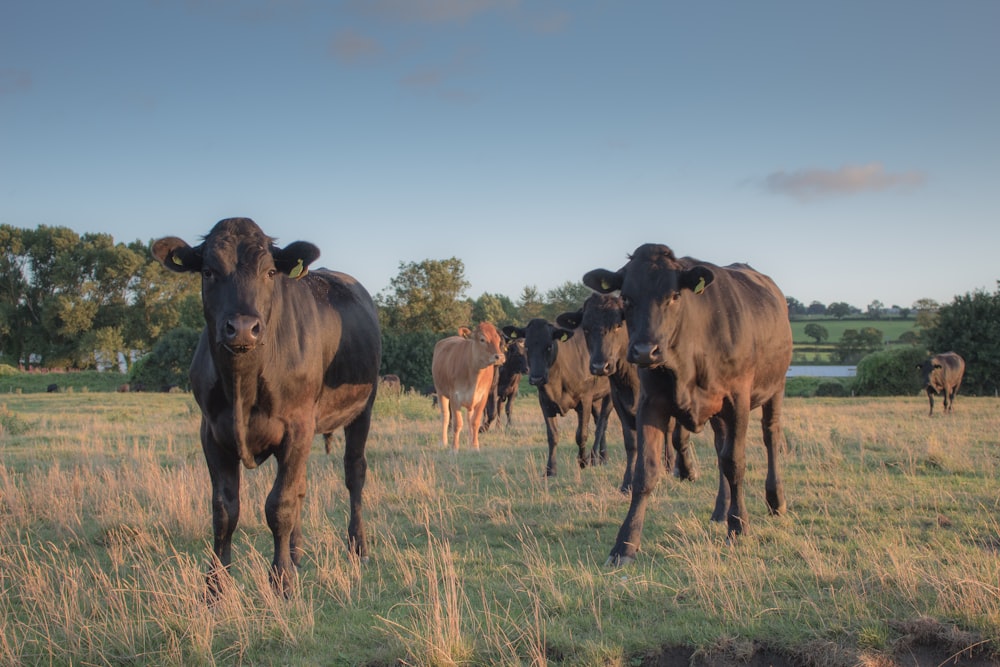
919,643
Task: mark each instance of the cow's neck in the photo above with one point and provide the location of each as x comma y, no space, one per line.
240,381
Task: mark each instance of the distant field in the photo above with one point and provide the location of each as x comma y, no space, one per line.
891,329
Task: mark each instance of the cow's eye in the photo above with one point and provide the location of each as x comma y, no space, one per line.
271,273
207,273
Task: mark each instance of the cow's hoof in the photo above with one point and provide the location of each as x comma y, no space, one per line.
619,560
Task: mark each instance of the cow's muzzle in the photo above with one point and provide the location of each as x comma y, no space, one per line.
600,368
242,333
645,354
536,380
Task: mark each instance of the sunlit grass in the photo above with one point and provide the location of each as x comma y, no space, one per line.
477,558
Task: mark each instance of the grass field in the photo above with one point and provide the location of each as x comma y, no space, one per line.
889,550
890,328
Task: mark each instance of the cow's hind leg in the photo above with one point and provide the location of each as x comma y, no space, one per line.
355,473
774,442
444,405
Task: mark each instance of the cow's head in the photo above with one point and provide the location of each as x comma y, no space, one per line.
517,357
931,374
240,269
654,287
488,344
541,345
602,321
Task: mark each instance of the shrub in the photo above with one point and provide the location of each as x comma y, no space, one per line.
889,373
168,363
831,388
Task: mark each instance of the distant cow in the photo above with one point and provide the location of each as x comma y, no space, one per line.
286,353
390,385
942,373
558,366
462,368
506,380
712,343
602,322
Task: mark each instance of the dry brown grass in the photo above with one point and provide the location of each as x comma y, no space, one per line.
891,542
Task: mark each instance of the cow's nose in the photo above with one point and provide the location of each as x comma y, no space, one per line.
645,354
600,368
499,360
243,331
535,380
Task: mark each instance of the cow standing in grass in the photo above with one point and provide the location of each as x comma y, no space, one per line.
506,380
601,322
712,343
286,353
558,367
942,374
462,368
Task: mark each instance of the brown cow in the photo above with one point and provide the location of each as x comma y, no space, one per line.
712,343
462,368
286,353
942,373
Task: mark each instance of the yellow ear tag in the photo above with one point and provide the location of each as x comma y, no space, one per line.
700,287
605,284
564,338
177,260
298,271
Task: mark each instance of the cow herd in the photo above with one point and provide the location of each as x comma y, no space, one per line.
671,344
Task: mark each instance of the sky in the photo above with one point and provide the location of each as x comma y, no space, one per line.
850,150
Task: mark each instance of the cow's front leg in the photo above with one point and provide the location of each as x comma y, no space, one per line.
583,409
653,424
355,474
552,434
224,470
720,428
283,510
599,454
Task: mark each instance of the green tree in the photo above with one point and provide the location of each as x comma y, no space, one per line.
926,309
840,309
855,344
970,326
817,332
168,363
795,307
566,297
529,304
426,296
495,308
408,354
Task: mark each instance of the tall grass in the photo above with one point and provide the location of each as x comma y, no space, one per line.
477,558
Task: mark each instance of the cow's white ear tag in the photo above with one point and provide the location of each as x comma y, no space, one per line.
297,271
700,287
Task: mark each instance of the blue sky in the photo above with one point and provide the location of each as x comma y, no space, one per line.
850,149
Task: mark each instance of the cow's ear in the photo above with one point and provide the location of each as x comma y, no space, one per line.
561,335
464,332
294,259
696,279
604,281
176,255
570,320
513,332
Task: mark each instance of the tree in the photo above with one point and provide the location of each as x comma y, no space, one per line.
856,344
927,310
426,296
840,309
168,363
816,308
817,332
568,296
795,307
970,326
495,308
529,304
875,309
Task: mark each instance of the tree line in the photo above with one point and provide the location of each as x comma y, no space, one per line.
82,301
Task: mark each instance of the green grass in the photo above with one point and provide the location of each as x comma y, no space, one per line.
477,558
890,328
14,382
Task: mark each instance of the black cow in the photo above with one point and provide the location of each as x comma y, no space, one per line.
506,380
557,366
942,373
286,353
712,343
602,321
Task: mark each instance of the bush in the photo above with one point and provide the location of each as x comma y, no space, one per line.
409,354
831,388
168,363
889,373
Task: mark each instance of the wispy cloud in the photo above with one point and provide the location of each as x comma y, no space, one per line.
14,81
808,184
431,11
353,48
